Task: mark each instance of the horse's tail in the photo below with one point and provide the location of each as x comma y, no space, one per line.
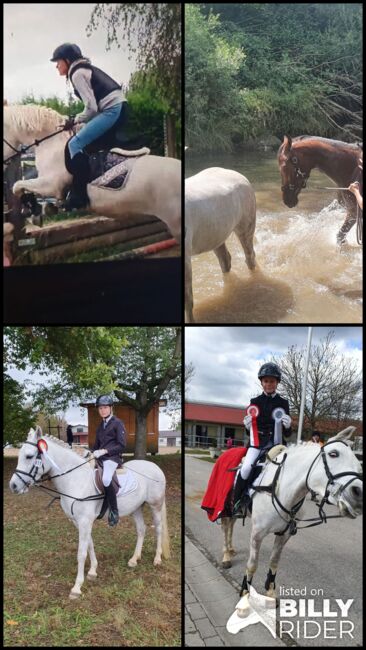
165,544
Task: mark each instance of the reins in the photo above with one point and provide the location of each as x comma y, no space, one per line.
23,149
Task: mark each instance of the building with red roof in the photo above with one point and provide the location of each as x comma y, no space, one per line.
208,424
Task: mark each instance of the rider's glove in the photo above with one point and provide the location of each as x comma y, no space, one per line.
286,421
100,452
247,421
69,124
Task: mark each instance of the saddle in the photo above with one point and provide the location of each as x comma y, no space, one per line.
98,478
116,149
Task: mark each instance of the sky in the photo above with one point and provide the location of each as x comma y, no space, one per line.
226,360
32,31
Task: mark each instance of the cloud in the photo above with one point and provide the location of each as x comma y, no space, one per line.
227,359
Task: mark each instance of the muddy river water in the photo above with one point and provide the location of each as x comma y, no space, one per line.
301,275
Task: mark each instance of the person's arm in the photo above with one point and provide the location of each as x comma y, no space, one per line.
355,189
81,81
120,439
287,431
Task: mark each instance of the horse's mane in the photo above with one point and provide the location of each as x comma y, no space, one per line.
32,117
63,444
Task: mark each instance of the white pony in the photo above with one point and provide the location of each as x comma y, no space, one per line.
153,187
332,472
78,484
217,202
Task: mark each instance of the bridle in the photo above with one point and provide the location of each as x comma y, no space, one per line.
331,477
291,524
38,463
300,175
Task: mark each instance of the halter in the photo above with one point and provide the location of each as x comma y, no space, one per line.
299,175
291,524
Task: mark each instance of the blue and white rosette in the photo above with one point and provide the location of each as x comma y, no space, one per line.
277,415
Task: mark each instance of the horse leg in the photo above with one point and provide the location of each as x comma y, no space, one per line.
162,540
188,288
224,258
85,528
231,549
140,529
346,227
227,525
92,573
255,544
270,586
245,236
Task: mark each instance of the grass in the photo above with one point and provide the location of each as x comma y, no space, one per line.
123,607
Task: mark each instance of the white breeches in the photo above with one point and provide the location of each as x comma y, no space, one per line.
249,460
109,467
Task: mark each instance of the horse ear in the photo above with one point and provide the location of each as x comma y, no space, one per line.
39,433
287,142
345,435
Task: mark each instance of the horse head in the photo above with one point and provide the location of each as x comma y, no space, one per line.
293,174
340,474
33,462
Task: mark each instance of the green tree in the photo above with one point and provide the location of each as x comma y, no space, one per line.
301,73
212,96
18,415
153,31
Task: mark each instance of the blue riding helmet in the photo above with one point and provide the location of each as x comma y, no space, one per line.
104,400
269,370
68,51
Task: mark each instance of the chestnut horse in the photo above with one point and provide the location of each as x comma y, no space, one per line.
338,160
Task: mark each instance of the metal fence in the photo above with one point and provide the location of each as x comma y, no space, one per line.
204,442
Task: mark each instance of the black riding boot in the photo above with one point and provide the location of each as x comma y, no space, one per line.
240,499
113,516
77,198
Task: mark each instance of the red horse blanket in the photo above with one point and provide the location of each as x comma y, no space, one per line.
221,482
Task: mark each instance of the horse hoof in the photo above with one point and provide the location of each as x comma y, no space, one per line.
227,565
74,596
157,562
132,564
91,577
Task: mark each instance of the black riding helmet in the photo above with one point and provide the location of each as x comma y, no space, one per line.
68,51
104,400
269,370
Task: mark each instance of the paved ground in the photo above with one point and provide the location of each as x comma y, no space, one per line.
325,557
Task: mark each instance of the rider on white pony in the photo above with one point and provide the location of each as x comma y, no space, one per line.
264,433
110,441
104,105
